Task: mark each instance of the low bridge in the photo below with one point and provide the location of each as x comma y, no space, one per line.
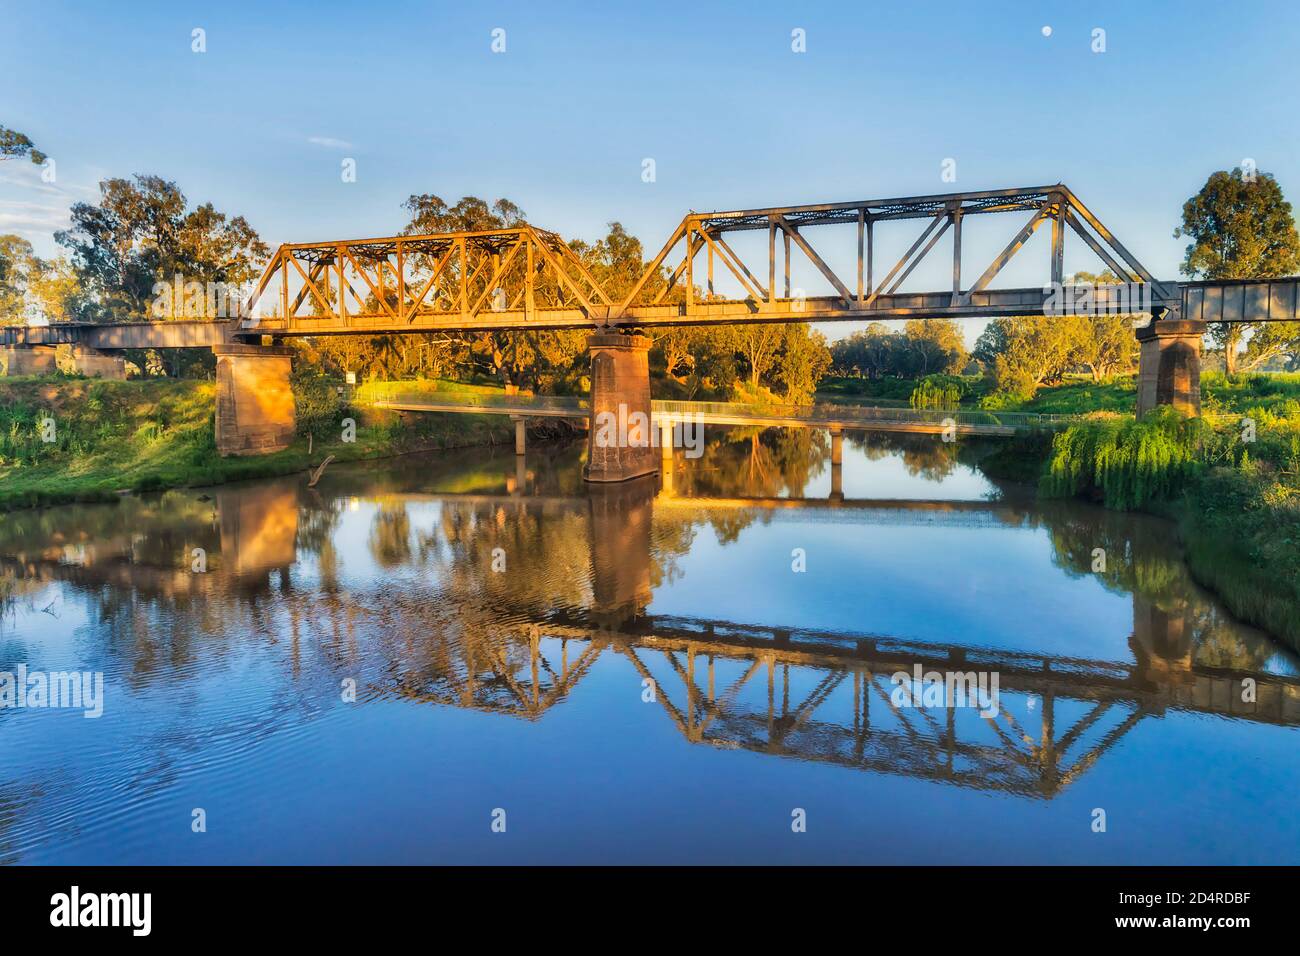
526,278
667,415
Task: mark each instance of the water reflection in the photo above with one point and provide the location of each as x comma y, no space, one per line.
502,585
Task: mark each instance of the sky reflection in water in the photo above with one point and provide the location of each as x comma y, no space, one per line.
523,690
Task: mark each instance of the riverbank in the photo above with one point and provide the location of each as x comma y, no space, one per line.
79,440
1235,502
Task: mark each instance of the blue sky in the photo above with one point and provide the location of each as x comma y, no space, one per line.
561,122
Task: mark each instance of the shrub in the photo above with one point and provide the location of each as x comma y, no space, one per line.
1128,463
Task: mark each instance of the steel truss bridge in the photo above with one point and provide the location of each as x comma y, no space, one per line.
523,277
527,278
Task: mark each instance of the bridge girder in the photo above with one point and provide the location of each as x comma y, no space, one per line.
527,278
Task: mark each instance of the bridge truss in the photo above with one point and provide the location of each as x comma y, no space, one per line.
527,278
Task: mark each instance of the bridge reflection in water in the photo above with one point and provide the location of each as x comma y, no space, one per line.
782,691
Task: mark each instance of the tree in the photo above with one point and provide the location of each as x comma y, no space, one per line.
14,144
140,234
934,345
804,359
1022,354
1273,340
1241,228
54,290
758,345
16,264
1104,344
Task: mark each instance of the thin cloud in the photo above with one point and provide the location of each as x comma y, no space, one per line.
329,142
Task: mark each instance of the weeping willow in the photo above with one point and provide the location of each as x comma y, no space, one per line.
1128,463
932,393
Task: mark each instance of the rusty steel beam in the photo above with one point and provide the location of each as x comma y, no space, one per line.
522,277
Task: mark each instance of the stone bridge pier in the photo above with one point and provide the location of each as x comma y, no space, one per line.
620,444
29,360
255,408
1169,366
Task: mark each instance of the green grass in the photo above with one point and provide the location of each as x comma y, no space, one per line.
377,391
117,437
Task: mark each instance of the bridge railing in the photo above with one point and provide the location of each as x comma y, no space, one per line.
813,415
484,400
867,414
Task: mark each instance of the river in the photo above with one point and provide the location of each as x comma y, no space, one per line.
469,658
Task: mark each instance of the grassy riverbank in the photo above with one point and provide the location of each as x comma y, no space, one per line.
116,437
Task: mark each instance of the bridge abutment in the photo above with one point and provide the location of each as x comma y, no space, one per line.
30,360
96,364
1169,366
255,408
619,445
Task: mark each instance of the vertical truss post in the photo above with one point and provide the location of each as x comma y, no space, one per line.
956,253
771,260
690,265
284,289
401,284
1058,240
343,302
870,253
530,304
787,262
464,276
862,217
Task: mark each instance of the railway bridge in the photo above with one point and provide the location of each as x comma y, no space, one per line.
526,278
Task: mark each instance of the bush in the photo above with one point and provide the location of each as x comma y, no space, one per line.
320,406
938,391
1129,463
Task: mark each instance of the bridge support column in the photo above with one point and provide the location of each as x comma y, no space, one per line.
521,434
619,445
837,445
1169,366
96,364
29,360
255,408
666,440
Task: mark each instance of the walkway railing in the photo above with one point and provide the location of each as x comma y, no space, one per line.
820,415
827,413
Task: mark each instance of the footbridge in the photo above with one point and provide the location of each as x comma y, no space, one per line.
715,268
666,416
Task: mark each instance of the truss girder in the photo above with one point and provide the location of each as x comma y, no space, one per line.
524,277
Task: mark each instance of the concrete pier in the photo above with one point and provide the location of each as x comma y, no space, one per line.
255,408
1169,366
96,364
619,445
29,360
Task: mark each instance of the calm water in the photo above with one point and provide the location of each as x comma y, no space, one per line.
502,626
